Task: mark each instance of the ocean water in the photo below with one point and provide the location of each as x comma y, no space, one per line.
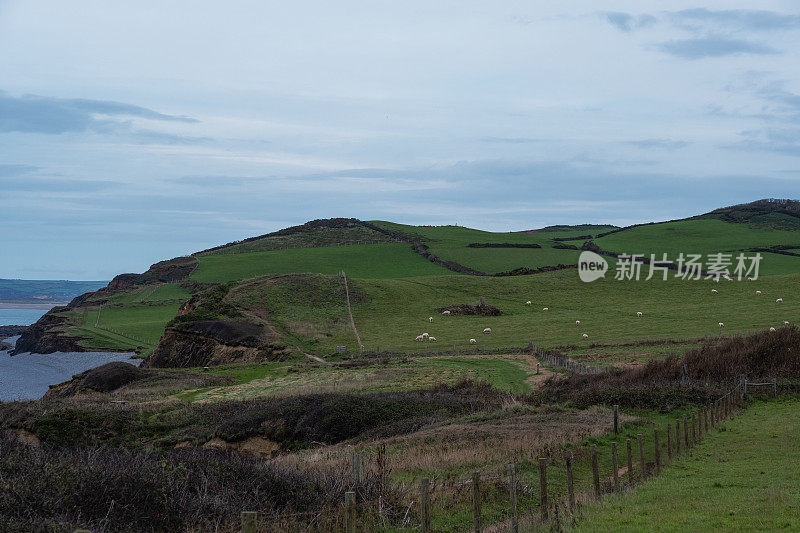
20,317
28,376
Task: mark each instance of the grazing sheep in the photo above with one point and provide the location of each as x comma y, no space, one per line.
714,291
577,322
445,312
585,336
779,301
425,335
419,338
431,339
785,322
772,329
545,309
473,341
528,302
638,313
487,330
721,325
758,293
430,319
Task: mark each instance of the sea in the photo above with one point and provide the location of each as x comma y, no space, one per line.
27,376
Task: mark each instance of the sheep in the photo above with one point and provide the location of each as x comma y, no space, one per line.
419,338
577,322
445,312
545,309
473,341
772,329
585,336
431,339
425,335
714,291
758,293
638,313
785,322
779,301
721,325
430,319
487,330
528,302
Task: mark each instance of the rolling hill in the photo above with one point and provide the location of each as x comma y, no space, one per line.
282,294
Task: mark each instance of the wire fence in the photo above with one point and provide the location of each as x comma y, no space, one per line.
564,362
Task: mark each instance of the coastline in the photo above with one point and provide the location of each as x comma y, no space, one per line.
34,306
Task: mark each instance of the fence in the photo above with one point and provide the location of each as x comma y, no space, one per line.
562,361
677,439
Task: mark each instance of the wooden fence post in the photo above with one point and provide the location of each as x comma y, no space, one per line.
358,468
642,466
630,461
350,514
669,441
595,473
685,434
677,437
616,419
476,501
694,428
425,503
614,465
512,493
706,416
570,487
775,387
543,486
657,451
249,521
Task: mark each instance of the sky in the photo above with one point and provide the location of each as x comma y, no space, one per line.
132,132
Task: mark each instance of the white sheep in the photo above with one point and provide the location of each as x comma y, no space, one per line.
430,319
431,339
473,341
585,336
545,309
779,301
638,313
785,322
419,338
714,291
758,293
772,329
721,325
577,322
487,330
528,302
445,312
425,335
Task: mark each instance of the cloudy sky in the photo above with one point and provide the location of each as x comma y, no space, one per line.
136,131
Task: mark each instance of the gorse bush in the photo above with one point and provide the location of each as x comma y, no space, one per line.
60,489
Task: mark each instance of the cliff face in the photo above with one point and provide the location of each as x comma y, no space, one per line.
203,346
45,336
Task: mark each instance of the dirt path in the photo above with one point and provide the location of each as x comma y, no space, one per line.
350,312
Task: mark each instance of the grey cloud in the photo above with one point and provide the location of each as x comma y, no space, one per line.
739,19
627,22
41,114
713,47
50,184
664,144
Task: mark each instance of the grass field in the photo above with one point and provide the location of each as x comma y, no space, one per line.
742,478
396,311
392,260
701,235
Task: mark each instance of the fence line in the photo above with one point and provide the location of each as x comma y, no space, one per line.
562,361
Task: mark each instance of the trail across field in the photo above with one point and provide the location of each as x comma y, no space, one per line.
742,477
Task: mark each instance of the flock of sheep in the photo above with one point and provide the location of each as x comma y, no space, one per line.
487,331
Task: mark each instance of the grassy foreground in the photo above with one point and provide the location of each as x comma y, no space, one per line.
742,477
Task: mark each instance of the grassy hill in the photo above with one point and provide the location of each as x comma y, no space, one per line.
407,273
